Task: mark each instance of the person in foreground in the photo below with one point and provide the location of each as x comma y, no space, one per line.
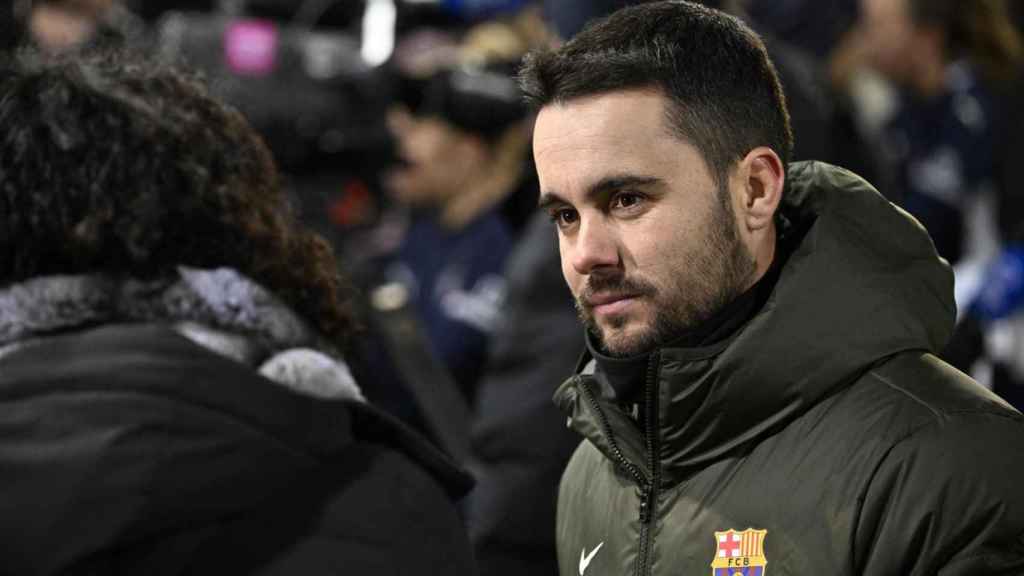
760,393
173,398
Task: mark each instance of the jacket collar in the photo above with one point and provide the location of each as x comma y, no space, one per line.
220,297
219,309
863,282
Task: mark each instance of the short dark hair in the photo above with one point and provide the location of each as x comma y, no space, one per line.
110,164
724,92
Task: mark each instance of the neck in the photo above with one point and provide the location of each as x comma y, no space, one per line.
931,77
625,375
479,193
764,256
493,178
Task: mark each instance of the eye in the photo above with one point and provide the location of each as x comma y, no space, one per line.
564,217
626,200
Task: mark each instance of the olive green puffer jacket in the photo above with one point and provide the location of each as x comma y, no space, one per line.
823,438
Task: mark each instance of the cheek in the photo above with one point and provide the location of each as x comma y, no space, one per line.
426,140
658,244
572,278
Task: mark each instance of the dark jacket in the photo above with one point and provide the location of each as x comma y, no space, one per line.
457,285
941,153
520,442
823,437
128,448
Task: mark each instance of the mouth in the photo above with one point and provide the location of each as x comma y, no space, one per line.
402,161
608,304
401,170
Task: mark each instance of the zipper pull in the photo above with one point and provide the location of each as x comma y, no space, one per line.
646,503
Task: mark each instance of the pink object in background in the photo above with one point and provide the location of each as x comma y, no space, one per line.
250,47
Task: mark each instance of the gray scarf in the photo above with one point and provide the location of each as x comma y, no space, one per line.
219,309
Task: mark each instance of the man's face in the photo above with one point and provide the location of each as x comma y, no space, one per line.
649,243
435,159
892,39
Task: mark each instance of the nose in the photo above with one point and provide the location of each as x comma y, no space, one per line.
399,120
594,248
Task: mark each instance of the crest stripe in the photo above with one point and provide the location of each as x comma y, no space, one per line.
739,553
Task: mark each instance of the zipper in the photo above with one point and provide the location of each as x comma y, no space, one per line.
617,455
650,493
648,489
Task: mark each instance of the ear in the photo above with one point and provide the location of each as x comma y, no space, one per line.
762,179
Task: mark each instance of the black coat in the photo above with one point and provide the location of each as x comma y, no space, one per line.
520,442
129,449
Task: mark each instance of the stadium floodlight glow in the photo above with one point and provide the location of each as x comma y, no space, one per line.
378,31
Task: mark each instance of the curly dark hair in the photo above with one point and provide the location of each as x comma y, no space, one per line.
110,164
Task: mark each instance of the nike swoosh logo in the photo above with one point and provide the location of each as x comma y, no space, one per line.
586,558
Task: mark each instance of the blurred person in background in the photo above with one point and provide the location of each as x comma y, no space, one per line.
519,442
176,399
956,65
463,147
951,61
12,23
63,25
813,26
760,390
822,119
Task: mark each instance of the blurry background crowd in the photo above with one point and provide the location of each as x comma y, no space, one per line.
400,129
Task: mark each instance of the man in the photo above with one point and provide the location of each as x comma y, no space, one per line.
173,394
950,63
463,151
759,394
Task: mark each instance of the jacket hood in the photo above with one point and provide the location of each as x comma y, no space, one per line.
862,282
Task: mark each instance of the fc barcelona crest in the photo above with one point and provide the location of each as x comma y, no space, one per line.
739,553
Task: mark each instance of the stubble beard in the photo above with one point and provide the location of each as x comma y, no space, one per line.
710,278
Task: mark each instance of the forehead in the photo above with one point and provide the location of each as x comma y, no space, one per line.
579,142
885,12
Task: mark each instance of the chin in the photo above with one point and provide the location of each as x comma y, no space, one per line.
627,341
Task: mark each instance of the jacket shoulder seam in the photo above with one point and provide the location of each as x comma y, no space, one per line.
907,393
935,412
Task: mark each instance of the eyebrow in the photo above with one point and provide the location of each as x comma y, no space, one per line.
601,187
